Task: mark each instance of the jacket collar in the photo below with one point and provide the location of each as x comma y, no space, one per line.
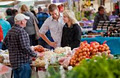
66,25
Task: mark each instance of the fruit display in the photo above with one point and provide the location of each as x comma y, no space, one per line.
1,59
103,48
41,61
94,47
64,61
87,51
53,57
80,53
39,48
48,55
60,50
65,56
4,57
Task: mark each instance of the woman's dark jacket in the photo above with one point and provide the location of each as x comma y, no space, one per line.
71,36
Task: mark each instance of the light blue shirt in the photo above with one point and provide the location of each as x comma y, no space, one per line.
5,26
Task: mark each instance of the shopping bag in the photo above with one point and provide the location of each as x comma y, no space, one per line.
36,29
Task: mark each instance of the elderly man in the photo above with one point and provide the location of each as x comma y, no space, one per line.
18,43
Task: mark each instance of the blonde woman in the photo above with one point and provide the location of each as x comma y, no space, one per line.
71,34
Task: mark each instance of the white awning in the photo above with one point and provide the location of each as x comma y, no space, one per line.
6,2
25,0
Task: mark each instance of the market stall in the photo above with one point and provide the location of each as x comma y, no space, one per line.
113,42
91,59
62,57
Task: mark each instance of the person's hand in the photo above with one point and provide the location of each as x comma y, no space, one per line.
53,44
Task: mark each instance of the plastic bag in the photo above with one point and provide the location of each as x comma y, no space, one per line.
5,72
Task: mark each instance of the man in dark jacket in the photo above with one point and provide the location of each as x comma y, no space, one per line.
101,16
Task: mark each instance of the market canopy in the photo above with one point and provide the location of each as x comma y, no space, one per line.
42,2
7,0
57,1
6,3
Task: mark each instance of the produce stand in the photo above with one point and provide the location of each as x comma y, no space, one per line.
112,42
63,59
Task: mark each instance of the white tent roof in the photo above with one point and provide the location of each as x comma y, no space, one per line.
25,0
6,2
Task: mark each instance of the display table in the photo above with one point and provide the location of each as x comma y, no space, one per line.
113,43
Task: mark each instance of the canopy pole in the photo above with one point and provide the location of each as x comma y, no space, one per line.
69,4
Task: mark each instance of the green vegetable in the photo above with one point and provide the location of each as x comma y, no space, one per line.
97,67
